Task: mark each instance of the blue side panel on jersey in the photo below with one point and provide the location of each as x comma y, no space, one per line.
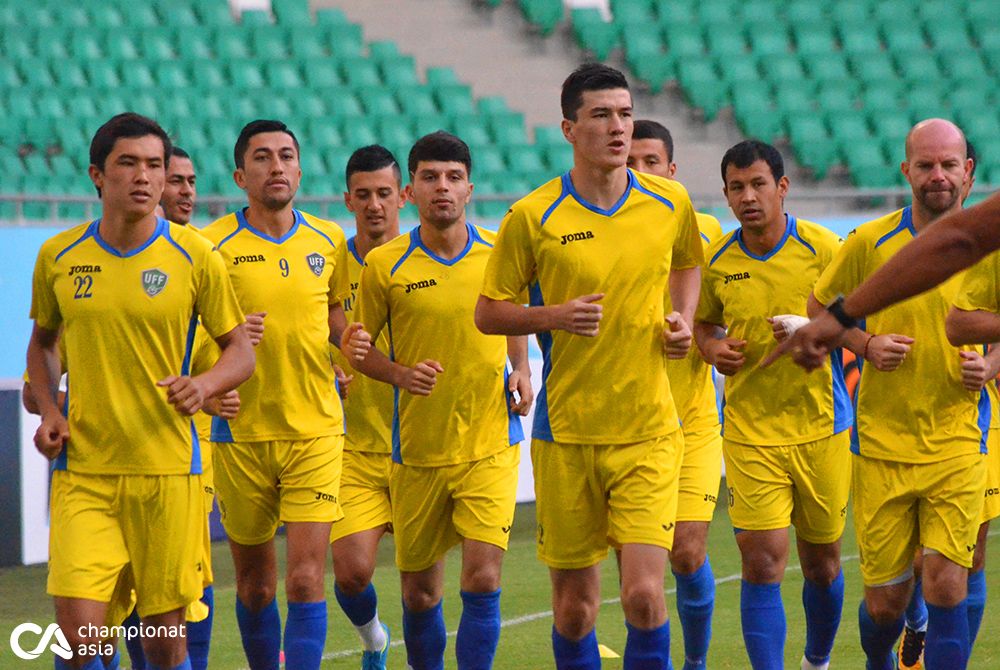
541,428
221,431
855,440
843,413
515,433
62,460
91,229
983,420
719,397
189,345
195,451
397,449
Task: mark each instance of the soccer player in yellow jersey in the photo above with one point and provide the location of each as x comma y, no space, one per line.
597,248
691,381
785,433
919,466
455,429
279,460
127,290
374,183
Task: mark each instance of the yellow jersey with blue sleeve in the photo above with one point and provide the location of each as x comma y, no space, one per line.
691,379
128,320
292,394
426,305
920,412
612,388
740,290
368,406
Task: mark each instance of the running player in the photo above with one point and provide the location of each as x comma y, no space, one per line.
596,247
279,460
125,280
919,468
374,183
693,386
785,434
455,440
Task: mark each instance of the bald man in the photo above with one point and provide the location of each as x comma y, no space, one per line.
919,467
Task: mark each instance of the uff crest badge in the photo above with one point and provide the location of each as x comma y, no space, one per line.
153,282
316,263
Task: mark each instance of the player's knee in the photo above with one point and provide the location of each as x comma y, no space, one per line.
575,618
352,582
884,611
823,572
763,568
946,590
643,604
417,599
685,560
304,582
256,596
164,652
480,578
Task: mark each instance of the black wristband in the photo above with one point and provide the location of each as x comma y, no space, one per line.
843,318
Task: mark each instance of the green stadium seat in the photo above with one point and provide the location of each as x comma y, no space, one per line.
232,44
769,43
312,162
543,14
107,16
676,11
424,124
172,74
813,39
394,131
794,98
382,50
948,32
379,102
621,12
61,164
891,128
360,73
308,44
416,99
903,39
977,11
209,74
737,70
344,40
762,12
751,96
872,67
35,164
827,67
684,41
70,75
9,15
549,136
255,17
341,102
143,16
73,16
360,130
119,46
84,46
102,74
441,76
291,12
283,75
718,11
917,66
804,13
472,130
806,128
725,39
195,43
36,73
454,99
849,126
850,10
834,96
39,131
492,105
782,69
17,44
859,38
488,161
559,157
270,42
965,65
594,33
331,16
524,159
761,124
655,69
926,99
179,15
398,70
509,131
157,47
321,72
702,86
981,127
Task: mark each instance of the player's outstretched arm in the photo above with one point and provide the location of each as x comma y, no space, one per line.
519,381
44,368
580,316
234,366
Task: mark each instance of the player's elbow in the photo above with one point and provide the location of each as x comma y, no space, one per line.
486,316
955,327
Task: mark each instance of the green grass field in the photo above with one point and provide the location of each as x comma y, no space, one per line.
525,641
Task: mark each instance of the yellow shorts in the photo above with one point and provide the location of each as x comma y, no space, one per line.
150,525
991,501
701,473
590,497
901,506
433,509
364,493
803,485
263,483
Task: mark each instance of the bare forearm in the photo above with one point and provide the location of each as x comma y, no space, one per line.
517,351
685,287
975,327
944,248
499,317
378,366
234,366
44,371
705,332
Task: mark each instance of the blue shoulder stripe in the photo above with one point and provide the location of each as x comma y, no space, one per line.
642,189
795,233
176,245
732,239
414,243
905,223
317,231
562,196
89,232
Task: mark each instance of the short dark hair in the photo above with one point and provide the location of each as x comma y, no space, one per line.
439,146
180,153
588,77
129,125
256,128
645,129
369,159
747,152
970,152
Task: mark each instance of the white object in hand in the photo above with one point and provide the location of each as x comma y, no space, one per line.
790,322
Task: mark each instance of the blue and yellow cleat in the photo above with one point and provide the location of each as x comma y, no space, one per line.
375,660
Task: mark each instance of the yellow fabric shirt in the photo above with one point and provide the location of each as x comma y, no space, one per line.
368,406
426,304
613,388
923,400
981,291
128,321
691,378
781,405
292,394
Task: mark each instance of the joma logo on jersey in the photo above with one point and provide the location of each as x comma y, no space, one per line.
80,269
316,263
253,258
737,276
574,237
153,282
423,283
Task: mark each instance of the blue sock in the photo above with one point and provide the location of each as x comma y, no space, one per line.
976,603
580,655
647,649
425,637
695,602
199,633
133,643
478,630
360,609
95,664
916,611
305,635
823,606
947,641
184,665
878,641
114,663
261,634
763,619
